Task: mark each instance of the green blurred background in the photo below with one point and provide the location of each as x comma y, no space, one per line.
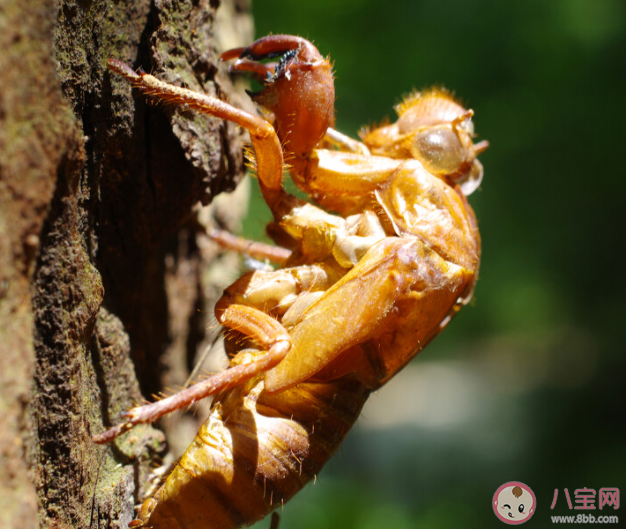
527,384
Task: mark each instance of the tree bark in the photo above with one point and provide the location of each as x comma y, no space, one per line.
105,290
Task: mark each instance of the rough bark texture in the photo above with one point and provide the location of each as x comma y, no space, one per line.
105,294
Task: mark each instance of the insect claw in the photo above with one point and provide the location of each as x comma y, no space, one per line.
123,69
302,81
112,433
245,53
231,54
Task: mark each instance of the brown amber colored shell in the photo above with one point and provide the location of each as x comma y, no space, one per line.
361,292
254,452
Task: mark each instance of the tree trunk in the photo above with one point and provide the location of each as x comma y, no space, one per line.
105,290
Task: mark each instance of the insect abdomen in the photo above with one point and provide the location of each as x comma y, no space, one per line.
254,452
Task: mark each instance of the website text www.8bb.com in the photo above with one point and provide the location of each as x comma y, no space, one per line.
585,518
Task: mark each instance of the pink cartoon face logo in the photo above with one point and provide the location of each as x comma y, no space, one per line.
514,503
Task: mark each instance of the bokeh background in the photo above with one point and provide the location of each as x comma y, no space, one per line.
527,384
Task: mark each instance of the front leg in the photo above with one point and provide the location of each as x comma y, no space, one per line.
299,89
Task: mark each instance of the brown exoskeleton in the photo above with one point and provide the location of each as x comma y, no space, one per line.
360,292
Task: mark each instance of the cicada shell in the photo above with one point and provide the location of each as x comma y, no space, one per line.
358,292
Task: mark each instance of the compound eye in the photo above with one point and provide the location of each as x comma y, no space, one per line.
439,150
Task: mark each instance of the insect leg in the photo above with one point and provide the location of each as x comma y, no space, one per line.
300,91
275,520
268,151
257,250
257,325
262,71
274,46
252,322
